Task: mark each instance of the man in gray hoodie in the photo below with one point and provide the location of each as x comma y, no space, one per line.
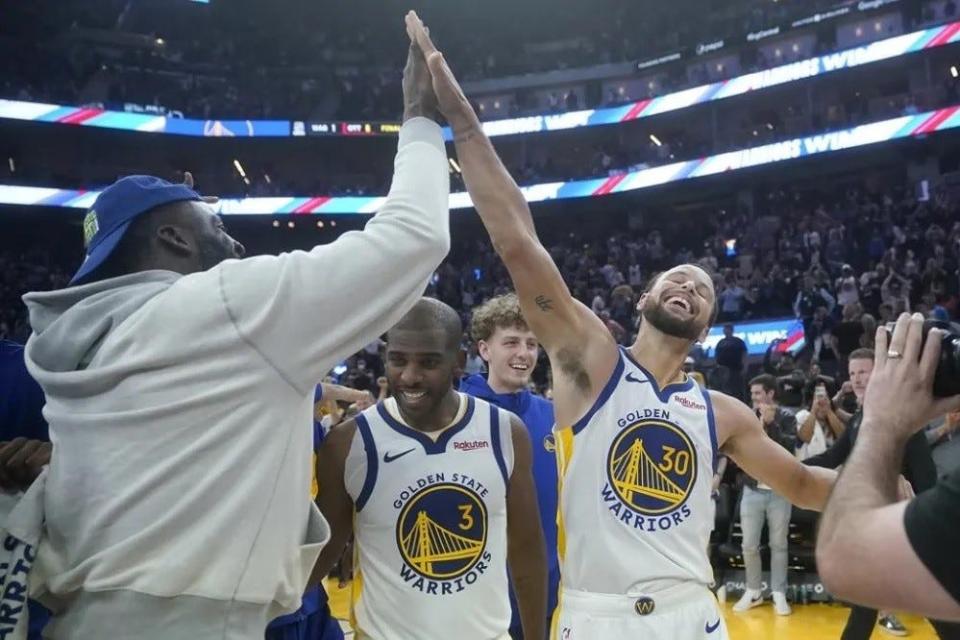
179,383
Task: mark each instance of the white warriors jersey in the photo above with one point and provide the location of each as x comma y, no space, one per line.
635,483
430,525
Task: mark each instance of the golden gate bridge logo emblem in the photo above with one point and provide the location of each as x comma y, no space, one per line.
652,467
442,531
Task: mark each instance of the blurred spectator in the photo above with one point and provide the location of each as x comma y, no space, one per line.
474,363
760,504
895,293
819,426
21,400
809,299
819,335
731,299
848,333
944,441
731,353
846,287
607,263
320,63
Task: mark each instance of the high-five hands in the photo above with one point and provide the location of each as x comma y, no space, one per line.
419,99
453,103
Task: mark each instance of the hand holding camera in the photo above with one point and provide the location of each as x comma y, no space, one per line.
915,378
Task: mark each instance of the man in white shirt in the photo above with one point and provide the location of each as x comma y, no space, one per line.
180,386
819,427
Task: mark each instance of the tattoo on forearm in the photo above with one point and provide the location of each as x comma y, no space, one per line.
545,303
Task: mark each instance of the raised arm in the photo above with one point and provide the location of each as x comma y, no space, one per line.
559,321
290,308
806,427
835,423
526,552
340,393
553,314
831,300
582,351
744,441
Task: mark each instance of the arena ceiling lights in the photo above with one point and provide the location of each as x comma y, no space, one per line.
740,85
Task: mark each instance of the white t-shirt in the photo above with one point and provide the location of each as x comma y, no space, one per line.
182,410
847,291
821,441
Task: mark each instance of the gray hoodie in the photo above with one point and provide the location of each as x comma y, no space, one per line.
178,497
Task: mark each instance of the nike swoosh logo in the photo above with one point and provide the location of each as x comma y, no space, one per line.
632,378
710,628
389,458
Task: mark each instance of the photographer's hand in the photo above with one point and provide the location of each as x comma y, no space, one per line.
899,397
865,517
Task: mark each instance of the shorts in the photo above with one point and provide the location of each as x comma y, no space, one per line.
319,625
684,612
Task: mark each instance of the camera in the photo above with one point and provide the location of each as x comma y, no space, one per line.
946,382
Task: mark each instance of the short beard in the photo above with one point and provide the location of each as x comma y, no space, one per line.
657,316
212,253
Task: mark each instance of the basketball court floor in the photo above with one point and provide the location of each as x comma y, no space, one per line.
808,622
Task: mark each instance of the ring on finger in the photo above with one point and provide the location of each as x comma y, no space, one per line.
894,355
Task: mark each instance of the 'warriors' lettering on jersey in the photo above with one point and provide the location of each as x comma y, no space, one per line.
442,537
431,525
651,468
635,505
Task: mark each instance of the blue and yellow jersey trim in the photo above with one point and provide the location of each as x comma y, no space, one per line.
564,445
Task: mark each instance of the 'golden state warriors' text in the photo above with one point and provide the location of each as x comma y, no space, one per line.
651,468
442,533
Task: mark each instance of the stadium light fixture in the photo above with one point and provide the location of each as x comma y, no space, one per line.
239,168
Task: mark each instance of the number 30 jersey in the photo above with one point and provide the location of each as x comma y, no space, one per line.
635,480
431,526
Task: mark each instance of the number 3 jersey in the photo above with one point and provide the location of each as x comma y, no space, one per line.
635,472
431,525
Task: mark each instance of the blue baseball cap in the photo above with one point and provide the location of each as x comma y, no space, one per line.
116,207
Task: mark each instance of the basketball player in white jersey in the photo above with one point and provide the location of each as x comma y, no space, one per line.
438,490
636,438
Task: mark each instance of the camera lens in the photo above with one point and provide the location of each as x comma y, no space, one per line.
946,383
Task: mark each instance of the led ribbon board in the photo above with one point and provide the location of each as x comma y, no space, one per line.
867,134
793,72
760,334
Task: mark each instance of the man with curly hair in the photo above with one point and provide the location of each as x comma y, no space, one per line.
510,351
